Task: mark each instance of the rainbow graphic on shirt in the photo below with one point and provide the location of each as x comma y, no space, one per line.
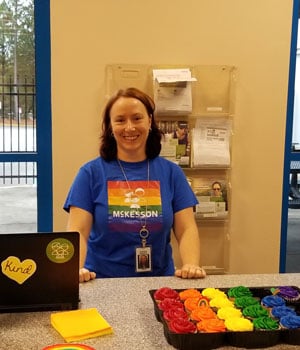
132,204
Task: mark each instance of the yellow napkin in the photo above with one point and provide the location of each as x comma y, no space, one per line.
80,324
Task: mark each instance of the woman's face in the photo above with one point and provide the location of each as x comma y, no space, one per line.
216,190
130,125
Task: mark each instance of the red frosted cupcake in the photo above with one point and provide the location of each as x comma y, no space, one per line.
182,326
169,303
175,313
165,292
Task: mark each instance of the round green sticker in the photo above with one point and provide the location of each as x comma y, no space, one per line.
60,250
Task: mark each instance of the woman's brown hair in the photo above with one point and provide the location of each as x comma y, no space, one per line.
108,147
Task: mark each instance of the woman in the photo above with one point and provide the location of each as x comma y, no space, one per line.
125,202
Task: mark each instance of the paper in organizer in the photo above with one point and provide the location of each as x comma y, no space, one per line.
172,91
211,142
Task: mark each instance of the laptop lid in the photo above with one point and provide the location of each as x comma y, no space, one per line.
39,271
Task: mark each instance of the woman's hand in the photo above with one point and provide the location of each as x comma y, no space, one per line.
190,271
85,275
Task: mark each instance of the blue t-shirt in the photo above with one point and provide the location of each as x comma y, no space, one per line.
121,208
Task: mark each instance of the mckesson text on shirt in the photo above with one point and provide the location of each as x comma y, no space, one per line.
135,214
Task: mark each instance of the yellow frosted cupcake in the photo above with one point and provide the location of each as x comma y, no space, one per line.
238,324
229,312
220,302
211,293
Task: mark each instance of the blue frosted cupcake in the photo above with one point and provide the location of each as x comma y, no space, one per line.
271,301
279,311
290,322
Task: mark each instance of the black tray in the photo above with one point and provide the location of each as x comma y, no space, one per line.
208,341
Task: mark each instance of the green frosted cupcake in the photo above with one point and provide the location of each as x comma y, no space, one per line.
265,323
243,302
254,311
239,291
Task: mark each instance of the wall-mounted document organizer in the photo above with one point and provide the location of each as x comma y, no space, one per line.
212,88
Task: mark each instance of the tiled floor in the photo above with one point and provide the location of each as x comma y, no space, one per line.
18,214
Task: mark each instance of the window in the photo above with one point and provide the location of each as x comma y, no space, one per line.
25,153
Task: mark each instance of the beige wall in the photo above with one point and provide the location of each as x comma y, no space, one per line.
252,35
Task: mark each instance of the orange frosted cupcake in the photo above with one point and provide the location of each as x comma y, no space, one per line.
212,325
192,303
202,313
189,293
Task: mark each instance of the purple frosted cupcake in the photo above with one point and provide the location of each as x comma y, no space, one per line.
290,322
279,311
289,294
271,301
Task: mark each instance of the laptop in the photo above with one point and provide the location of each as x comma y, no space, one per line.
39,271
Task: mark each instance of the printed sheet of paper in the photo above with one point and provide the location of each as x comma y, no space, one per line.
211,142
172,91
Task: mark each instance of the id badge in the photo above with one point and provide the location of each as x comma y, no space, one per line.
143,259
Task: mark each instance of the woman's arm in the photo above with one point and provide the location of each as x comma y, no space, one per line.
81,220
186,233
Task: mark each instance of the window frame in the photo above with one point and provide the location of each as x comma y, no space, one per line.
289,155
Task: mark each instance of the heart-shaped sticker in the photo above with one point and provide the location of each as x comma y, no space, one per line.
16,270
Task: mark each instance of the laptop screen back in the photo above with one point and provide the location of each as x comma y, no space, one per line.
39,271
